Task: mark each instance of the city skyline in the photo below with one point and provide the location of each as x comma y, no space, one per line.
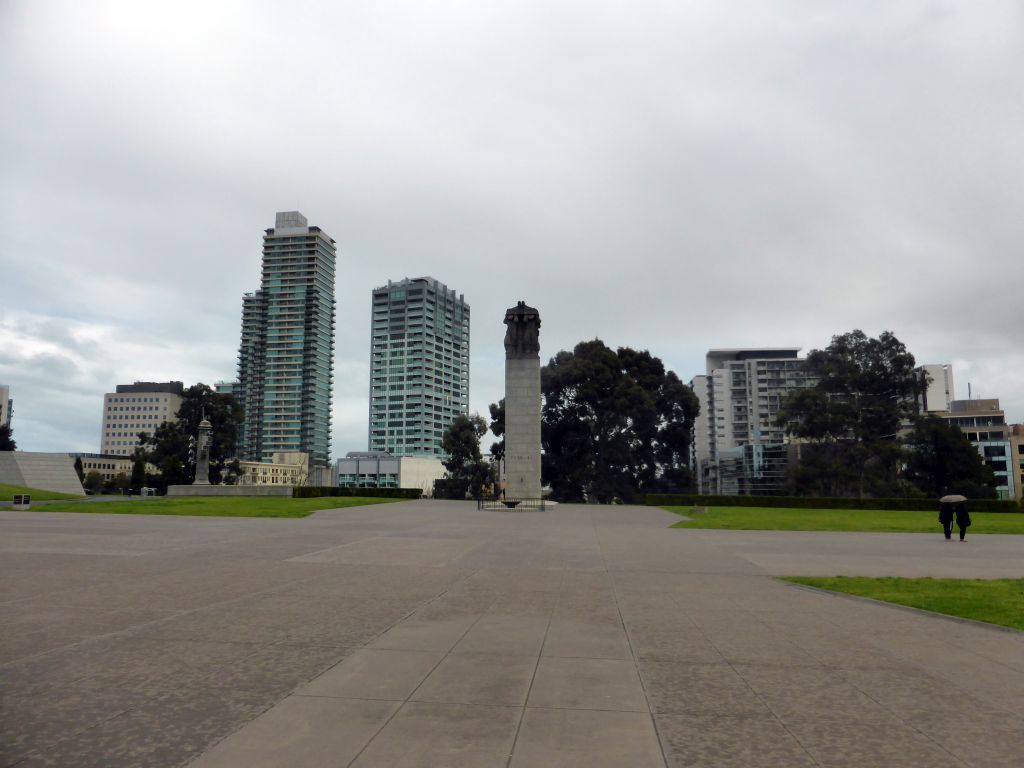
676,180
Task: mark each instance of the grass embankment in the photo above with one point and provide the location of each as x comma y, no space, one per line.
247,506
865,520
7,493
996,601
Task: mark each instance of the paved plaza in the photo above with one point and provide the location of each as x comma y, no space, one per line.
433,634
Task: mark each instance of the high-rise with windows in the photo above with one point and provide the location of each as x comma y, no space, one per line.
419,365
134,408
737,446
286,358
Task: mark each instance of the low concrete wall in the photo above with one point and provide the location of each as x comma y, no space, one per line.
228,490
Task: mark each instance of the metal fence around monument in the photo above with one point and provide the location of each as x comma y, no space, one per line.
513,505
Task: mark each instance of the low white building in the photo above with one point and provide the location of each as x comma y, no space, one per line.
378,469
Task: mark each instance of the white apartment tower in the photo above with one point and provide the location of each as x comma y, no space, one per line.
419,366
737,446
939,392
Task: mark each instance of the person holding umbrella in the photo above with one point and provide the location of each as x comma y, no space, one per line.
954,506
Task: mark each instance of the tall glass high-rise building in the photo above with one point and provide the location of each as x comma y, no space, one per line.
286,358
419,365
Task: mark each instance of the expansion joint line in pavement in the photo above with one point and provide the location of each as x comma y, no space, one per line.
536,666
439,662
629,641
393,624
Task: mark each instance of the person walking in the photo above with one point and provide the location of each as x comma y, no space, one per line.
946,518
963,518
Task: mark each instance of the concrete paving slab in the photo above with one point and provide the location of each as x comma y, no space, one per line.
561,738
302,731
607,684
760,741
586,640
425,735
375,674
479,678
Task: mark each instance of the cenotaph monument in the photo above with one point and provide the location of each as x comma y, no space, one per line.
522,403
203,453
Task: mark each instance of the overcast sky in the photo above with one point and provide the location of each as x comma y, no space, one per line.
674,176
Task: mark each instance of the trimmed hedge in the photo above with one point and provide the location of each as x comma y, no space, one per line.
819,502
316,491
451,488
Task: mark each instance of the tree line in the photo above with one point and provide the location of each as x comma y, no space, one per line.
616,425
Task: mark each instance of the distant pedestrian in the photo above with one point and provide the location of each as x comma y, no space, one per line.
954,506
963,518
946,518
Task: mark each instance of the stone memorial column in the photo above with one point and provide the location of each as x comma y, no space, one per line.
522,403
203,453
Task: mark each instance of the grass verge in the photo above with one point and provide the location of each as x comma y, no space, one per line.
7,493
996,601
865,520
248,506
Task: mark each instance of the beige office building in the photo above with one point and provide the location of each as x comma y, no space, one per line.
289,468
109,466
134,408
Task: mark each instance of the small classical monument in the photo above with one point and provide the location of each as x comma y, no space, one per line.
203,453
522,403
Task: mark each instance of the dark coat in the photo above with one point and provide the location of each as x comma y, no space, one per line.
946,513
963,517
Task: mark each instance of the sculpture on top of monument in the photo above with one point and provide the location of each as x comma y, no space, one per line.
522,338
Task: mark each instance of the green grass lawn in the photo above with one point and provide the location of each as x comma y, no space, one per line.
872,520
7,493
247,506
997,601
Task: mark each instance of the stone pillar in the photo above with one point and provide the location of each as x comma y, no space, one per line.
522,403
203,453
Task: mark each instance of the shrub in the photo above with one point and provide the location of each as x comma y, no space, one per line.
451,488
315,492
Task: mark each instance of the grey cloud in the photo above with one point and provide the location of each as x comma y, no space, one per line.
672,177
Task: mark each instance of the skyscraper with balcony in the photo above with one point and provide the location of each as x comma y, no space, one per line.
419,365
286,357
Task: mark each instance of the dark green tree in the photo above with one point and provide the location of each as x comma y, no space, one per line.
171,440
942,460
78,469
7,438
122,482
93,482
138,476
498,428
461,441
851,419
614,425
